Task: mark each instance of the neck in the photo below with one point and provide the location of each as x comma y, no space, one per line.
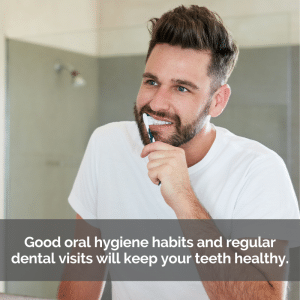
198,147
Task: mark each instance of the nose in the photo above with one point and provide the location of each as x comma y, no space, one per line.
160,100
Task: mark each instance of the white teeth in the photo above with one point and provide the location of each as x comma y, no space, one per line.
152,121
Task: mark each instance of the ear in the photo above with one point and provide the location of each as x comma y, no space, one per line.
219,100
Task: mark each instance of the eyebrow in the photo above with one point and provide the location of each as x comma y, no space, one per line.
150,75
187,83
177,81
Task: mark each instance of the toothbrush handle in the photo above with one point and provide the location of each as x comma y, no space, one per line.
152,140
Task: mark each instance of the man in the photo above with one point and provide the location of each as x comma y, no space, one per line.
196,171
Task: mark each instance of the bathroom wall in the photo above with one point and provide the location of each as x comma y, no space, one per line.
50,124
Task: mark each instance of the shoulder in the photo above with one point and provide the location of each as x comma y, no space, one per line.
114,128
116,136
241,148
115,131
265,187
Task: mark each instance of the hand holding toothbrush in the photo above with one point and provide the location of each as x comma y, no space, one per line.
167,164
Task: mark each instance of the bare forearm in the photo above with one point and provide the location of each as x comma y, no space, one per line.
245,290
78,290
260,289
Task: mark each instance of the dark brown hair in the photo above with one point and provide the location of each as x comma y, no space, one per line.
200,29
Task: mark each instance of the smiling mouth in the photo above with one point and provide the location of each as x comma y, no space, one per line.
152,121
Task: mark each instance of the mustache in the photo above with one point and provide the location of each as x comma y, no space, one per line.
147,109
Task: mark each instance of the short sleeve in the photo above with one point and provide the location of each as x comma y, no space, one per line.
83,197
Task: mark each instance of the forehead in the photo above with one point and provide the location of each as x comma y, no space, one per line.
173,61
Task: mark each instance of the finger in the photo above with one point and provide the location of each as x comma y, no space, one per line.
155,180
155,147
155,174
161,161
162,154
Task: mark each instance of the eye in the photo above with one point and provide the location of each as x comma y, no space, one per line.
151,82
182,89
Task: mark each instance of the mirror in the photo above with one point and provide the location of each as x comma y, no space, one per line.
49,120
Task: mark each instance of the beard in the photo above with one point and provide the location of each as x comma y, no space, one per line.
182,134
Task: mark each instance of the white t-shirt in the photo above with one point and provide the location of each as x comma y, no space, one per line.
237,179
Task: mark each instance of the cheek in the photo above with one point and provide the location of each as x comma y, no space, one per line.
143,97
186,112
199,104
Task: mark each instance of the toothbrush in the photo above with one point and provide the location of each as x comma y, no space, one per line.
145,119
152,140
